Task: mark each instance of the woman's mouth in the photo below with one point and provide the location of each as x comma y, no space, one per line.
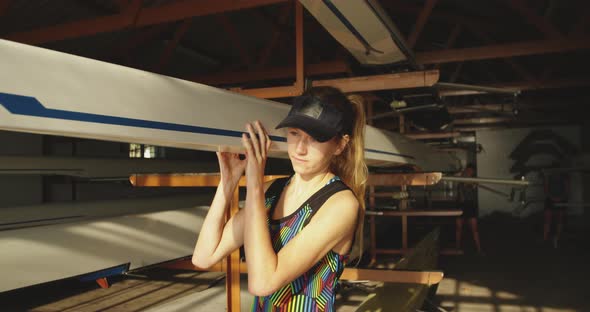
298,159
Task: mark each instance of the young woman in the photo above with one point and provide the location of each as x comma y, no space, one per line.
297,232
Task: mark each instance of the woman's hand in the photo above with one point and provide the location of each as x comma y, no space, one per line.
231,168
257,146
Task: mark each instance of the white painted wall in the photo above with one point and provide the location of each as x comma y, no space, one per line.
494,162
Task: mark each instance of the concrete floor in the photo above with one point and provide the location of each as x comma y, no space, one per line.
517,273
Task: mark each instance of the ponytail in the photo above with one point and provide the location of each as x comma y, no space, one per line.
350,165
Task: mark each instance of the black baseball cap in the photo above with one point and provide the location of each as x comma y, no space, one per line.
320,120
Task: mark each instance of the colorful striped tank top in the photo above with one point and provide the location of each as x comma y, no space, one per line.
315,289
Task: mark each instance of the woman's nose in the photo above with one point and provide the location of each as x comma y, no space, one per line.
302,146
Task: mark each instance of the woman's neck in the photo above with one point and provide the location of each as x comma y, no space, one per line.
303,184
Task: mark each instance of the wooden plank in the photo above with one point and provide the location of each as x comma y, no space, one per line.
416,213
488,120
232,277
393,276
382,82
283,72
420,22
353,274
406,297
436,135
299,59
271,93
175,11
185,180
504,50
399,179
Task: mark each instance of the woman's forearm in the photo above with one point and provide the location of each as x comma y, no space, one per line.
212,227
261,258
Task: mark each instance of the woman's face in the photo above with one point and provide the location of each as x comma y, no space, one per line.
309,156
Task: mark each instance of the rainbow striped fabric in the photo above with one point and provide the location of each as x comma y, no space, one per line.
315,289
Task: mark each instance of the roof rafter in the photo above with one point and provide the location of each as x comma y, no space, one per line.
541,23
172,44
276,35
420,22
229,28
503,50
145,16
266,74
510,61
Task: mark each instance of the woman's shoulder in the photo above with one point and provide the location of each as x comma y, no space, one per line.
342,198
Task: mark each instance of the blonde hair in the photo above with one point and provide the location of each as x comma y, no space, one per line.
350,165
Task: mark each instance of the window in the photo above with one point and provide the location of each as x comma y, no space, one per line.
145,151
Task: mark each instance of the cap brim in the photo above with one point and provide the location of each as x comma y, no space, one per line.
311,126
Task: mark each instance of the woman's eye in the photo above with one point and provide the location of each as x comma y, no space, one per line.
293,133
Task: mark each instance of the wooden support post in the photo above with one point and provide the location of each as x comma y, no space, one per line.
297,88
232,278
404,232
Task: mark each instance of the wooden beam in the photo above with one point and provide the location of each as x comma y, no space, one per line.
271,92
517,67
456,72
524,86
416,213
235,38
500,120
539,22
434,135
189,8
546,84
577,30
451,40
298,87
171,46
269,74
124,49
299,59
382,82
504,50
482,108
420,22
352,274
175,11
399,179
355,84
232,275
449,17
185,180
489,120
393,276
276,35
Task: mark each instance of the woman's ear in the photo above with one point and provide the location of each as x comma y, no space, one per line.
342,143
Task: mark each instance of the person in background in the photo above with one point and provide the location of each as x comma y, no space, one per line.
556,195
467,200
